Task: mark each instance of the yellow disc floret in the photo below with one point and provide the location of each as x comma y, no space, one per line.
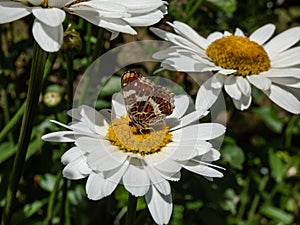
130,139
239,53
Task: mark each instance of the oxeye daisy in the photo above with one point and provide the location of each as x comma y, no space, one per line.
110,151
236,62
115,16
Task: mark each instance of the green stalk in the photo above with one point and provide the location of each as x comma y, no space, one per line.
52,197
34,89
70,78
12,123
6,113
194,10
131,210
244,199
70,75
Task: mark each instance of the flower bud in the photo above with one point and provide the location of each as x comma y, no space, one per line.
72,43
52,96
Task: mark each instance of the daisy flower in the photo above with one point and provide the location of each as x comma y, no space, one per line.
108,152
115,16
237,62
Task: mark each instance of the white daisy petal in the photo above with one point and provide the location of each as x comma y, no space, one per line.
163,187
243,103
160,206
114,176
243,85
72,170
163,163
284,99
262,34
33,2
239,32
203,170
214,36
97,187
184,63
59,3
52,17
118,107
283,41
49,38
145,20
287,81
102,156
108,23
8,14
282,72
210,156
60,136
71,155
135,179
206,96
157,180
188,119
140,7
106,8
203,131
230,86
260,81
287,58
181,104
217,80
189,33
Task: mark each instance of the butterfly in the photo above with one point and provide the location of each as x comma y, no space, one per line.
147,104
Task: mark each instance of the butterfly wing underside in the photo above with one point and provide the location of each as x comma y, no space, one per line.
147,104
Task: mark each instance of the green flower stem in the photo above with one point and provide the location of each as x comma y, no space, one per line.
194,9
12,123
244,198
66,220
6,113
34,89
99,46
52,197
255,201
18,115
70,78
131,210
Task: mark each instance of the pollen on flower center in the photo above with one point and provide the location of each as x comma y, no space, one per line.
130,139
239,53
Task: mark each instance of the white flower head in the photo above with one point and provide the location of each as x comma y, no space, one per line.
109,151
115,16
236,62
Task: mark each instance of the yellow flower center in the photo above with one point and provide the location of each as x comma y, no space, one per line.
130,139
239,53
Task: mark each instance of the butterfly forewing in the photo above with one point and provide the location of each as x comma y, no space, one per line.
146,103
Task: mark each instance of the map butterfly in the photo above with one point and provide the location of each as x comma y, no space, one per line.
147,104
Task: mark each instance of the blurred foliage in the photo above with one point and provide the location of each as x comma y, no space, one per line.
260,152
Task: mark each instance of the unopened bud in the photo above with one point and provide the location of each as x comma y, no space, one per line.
72,43
52,96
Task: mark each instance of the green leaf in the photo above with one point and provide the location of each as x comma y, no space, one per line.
111,86
276,214
270,118
34,207
228,6
7,150
234,155
47,181
276,165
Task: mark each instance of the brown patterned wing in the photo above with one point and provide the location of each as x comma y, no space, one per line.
146,103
